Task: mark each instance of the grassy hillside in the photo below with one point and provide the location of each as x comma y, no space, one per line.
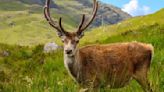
26,69
22,23
137,26
23,28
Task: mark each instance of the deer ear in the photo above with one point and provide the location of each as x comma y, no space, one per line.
81,35
60,34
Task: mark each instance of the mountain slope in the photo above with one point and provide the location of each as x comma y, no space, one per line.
135,27
23,23
108,13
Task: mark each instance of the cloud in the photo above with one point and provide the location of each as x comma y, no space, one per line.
146,9
135,9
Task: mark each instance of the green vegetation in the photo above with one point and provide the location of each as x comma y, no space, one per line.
28,69
23,24
22,21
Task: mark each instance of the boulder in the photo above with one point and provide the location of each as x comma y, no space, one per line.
50,47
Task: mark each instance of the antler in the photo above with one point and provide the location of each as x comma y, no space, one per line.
47,15
83,26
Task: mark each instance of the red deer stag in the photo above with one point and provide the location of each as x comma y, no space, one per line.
112,65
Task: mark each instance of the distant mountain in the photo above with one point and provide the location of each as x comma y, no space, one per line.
107,14
39,2
22,21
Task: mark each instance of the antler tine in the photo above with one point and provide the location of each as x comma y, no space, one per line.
95,8
47,15
61,27
81,24
49,20
45,11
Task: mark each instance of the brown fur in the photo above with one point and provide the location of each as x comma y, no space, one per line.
113,65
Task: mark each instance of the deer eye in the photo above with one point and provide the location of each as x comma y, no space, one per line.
77,41
62,40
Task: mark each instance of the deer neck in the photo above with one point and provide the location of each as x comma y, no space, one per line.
72,65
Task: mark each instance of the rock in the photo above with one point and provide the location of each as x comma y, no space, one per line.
5,53
50,47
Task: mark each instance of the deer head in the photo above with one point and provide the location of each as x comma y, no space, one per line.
70,39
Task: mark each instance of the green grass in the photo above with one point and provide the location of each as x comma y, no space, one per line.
28,69
132,26
24,28
23,24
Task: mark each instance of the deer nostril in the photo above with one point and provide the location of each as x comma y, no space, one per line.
68,51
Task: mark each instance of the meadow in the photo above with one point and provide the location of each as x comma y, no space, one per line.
26,68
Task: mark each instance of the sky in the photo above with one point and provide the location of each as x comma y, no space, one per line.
137,7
